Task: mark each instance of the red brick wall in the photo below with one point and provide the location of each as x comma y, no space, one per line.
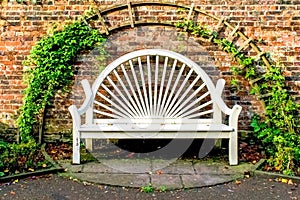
276,22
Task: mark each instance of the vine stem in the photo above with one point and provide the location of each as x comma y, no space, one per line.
41,125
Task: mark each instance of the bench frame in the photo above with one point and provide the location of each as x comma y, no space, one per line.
155,127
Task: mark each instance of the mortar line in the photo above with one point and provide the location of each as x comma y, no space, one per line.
181,180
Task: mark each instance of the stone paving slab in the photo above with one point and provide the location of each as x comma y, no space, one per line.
126,180
211,168
134,166
179,167
159,164
221,168
99,168
193,181
170,181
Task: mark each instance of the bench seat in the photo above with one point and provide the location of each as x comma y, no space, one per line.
158,131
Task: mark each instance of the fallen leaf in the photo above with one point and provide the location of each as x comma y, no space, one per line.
16,181
12,193
277,168
44,165
86,183
238,182
7,170
130,155
30,169
284,180
159,172
290,182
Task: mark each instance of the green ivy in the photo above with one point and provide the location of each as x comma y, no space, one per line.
51,69
278,128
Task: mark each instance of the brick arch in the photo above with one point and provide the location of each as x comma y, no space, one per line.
135,14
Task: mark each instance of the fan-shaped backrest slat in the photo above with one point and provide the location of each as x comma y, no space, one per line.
144,85
116,112
140,98
155,84
106,114
179,104
187,104
120,109
174,87
198,108
123,99
162,110
128,88
149,85
114,97
124,88
162,83
179,91
199,114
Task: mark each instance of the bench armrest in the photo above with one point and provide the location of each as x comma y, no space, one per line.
233,118
88,96
75,116
232,112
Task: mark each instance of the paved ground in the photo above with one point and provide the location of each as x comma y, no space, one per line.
175,174
131,178
54,187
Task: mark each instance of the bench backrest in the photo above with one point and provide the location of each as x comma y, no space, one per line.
154,84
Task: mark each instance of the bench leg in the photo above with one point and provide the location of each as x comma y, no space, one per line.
233,149
76,147
89,144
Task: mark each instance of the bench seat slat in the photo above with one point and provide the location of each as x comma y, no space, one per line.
132,127
155,135
154,121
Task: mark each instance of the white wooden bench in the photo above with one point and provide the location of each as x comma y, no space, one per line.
157,94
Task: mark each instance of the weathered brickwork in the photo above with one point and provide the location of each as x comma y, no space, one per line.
275,23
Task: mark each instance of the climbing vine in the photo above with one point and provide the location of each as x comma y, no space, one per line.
277,128
51,69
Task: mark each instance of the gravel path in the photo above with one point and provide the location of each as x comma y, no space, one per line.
54,187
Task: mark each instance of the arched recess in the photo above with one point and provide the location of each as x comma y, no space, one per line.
137,14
